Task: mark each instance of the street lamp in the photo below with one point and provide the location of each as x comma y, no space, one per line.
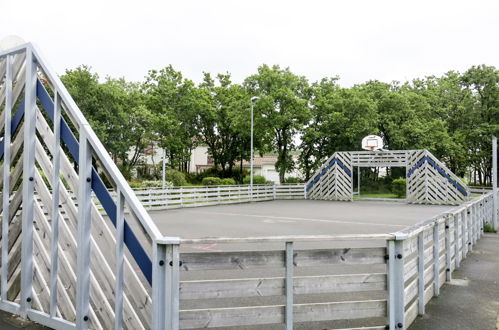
253,100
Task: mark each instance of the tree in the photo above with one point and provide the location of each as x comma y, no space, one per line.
283,109
174,103
341,117
482,117
116,111
223,121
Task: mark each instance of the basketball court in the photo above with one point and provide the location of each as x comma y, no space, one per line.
293,217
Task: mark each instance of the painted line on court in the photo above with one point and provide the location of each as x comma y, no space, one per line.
209,248
304,219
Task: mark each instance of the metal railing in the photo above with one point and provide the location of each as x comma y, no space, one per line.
414,265
61,153
193,196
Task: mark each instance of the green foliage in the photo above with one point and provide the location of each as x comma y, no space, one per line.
282,111
235,173
292,179
211,181
488,228
453,116
224,121
177,178
209,172
117,112
135,184
174,103
399,187
257,179
228,181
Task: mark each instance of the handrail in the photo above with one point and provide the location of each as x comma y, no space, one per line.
296,238
106,161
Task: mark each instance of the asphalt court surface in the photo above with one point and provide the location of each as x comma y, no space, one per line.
293,217
289,218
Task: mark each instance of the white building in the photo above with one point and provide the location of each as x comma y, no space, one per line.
201,161
262,165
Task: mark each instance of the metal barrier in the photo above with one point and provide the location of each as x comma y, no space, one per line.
64,265
418,261
192,196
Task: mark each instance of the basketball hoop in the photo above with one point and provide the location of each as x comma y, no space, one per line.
372,143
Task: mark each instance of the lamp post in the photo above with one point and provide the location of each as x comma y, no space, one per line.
253,100
164,169
494,182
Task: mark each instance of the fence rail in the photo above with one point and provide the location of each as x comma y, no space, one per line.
395,283
192,196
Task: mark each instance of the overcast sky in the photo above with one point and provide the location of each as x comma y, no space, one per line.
356,40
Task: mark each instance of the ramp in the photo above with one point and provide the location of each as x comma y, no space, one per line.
333,180
66,263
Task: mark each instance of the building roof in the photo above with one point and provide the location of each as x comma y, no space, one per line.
264,160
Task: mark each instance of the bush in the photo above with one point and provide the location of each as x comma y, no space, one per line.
292,179
211,172
135,184
217,172
211,181
157,184
228,181
176,177
488,228
151,183
399,187
257,179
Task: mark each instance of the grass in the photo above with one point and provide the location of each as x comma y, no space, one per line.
377,195
488,228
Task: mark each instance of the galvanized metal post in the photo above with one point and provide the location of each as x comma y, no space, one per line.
54,248
120,259
396,299
164,170
479,215
358,181
456,241
6,177
421,278
464,226
84,231
448,269
172,287
476,223
28,183
494,182
289,285
469,227
165,286
436,260
159,297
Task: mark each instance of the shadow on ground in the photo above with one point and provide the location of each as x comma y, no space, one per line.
13,322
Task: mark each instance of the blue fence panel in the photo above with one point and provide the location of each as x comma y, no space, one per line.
326,169
98,186
440,170
14,124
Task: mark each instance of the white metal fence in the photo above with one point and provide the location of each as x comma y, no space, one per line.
192,196
415,263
